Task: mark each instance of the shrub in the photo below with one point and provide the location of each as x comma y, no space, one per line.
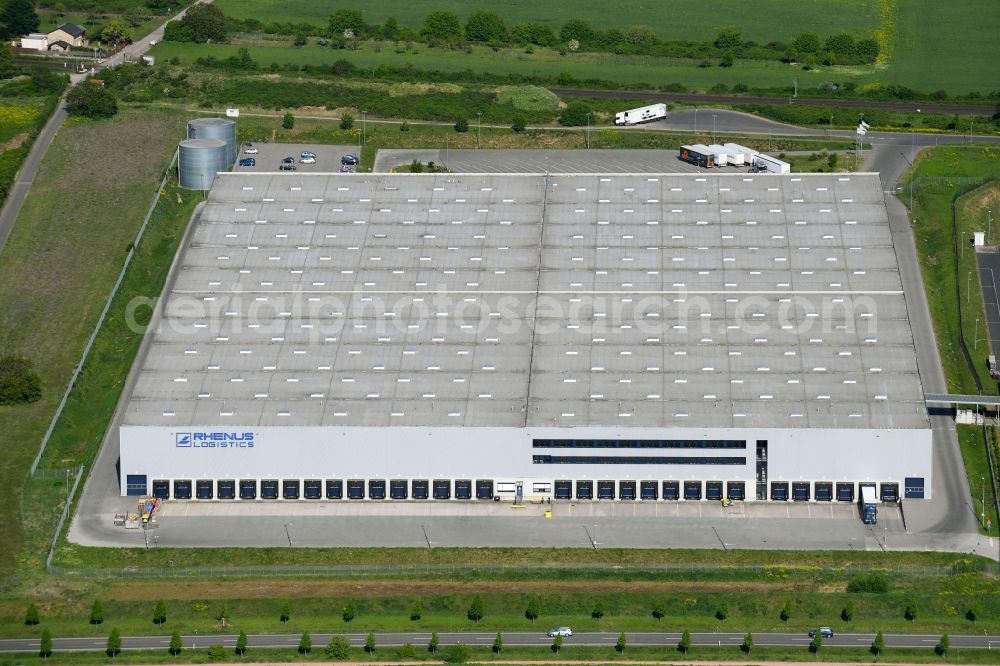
575,114
416,166
727,60
975,611
498,643
96,612
305,643
531,612
461,125
684,645
31,617
241,643
114,645
160,612
722,612
350,611
175,643
872,582
432,644
847,614
816,644
45,644
286,612
747,643
528,98
217,653
338,648
942,647
346,121
418,608
598,610
878,645
910,612
370,643
406,651
659,610
786,611
622,642
519,124
288,121
456,654
476,609
405,127
92,101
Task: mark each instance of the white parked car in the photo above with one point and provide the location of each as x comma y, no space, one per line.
250,151
308,160
560,631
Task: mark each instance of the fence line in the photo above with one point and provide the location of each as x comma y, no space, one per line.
100,322
62,518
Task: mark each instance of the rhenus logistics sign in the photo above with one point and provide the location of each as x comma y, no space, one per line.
214,440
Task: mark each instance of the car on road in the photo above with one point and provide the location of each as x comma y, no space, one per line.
307,153
560,631
347,169
824,632
288,160
349,159
248,161
307,160
249,150
287,166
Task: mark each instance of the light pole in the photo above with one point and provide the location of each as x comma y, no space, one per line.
982,482
696,122
989,225
479,130
288,534
364,127
588,130
968,287
795,89
714,116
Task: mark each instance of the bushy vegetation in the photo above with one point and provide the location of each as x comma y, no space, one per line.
871,582
92,101
528,98
201,23
18,383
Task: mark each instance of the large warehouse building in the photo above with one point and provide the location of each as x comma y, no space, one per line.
584,336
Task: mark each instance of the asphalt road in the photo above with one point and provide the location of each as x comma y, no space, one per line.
538,638
988,260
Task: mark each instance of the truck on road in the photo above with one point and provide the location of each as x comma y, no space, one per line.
869,507
644,114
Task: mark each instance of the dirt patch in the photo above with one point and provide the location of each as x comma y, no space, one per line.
255,589
14,142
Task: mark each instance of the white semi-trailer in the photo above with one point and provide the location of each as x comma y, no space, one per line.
739,155
644,114
762,162
720,154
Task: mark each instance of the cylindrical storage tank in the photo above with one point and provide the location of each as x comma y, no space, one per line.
198,160
223,129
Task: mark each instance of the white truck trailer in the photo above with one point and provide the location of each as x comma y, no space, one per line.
762,162
739,155
720,155
644,114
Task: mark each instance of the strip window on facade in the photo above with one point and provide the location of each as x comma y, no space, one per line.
637,460
639,443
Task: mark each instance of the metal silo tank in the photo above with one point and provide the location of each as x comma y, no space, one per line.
198,160
223,129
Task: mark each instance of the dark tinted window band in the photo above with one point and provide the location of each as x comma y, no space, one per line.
639,443
636,460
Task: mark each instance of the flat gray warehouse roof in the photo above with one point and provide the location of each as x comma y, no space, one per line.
708,300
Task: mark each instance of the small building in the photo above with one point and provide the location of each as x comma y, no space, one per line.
60,46
71,33
35,41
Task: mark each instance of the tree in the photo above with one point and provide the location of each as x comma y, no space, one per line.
578,29
241,643
19,18
6,62
531,612
117,31
476,609
456,654
160,612
842,44
659,610
350,611
31,617
484,27
114,643
96,612
685,643
347,19
91,101
288,121
747,643
175,643
557,643
390,29
338,648
286,612
461,125
942,647
45,644
878,645
729,37
975,611
305,643
217,653
519,124
622,642
722,611
816,644
597,612
432,644
806,42
442,27
206,23
498,643
727,60
223,614
370,643
786,611
575,114
847,613
910,612
406,651
416,611
346,121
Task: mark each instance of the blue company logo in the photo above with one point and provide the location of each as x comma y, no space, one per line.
214,440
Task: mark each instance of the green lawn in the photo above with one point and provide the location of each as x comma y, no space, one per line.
970,440
763,21
57,269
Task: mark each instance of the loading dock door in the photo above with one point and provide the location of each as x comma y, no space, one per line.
779,491
397,489
290,489
269,489
313,489
692,490
626,490
135,484
484,489
584,490
442,489
824,491
606,490
736,490
203,489
800,491
355,489
226,489
890,492
647,490
182,489
334,488
671,490
248,489
161,489
713,490
463,489
421,489
845,492
914,488
564,490
376,489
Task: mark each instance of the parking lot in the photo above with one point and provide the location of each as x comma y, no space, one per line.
269,156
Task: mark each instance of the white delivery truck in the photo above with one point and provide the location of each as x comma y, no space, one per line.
762,162
719,154
644,114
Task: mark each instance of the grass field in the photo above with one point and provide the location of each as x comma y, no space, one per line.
57,268
670,19
977,469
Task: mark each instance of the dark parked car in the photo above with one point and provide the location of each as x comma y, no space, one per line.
248,161
288,160
824,632
287,166
349,159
